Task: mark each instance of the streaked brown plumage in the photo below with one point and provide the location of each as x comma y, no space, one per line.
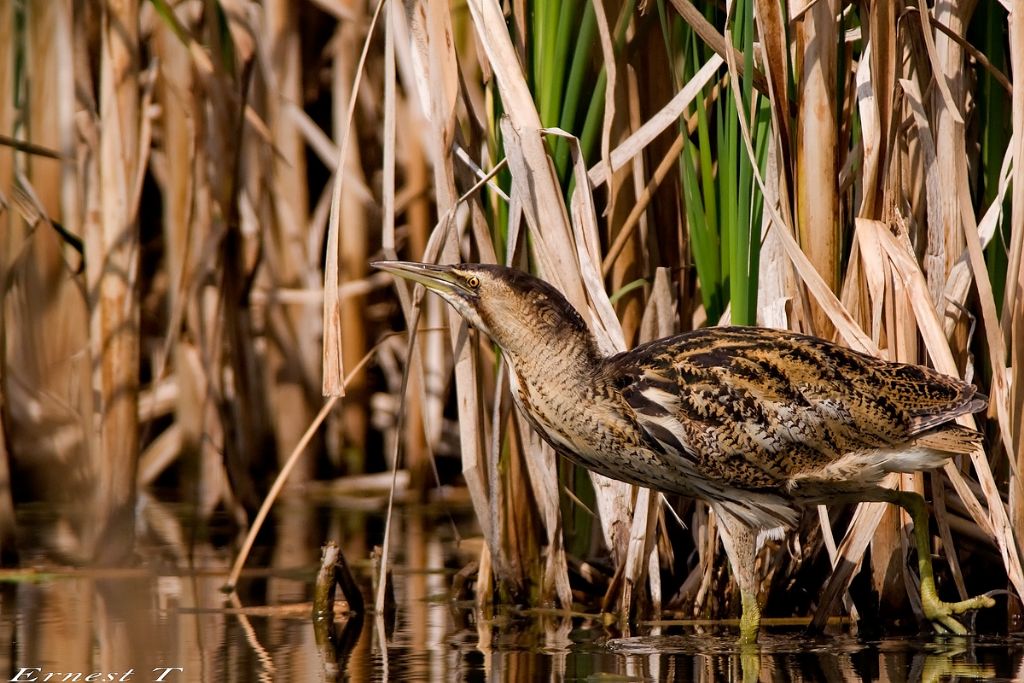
756,422
789,417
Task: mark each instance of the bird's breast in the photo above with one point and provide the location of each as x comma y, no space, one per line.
583,427
546,412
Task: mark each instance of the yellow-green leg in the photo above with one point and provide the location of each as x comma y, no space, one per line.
740,545
938,612
750,619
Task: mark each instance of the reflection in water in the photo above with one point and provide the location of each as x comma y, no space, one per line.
833,658
164,616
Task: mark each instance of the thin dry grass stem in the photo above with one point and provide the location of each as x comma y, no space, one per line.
282,476
656,124
333,370
938,68
722,45
389,135
1014,299
976,54
644,197
611,68
355,243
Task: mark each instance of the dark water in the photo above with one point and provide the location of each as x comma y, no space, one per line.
168,618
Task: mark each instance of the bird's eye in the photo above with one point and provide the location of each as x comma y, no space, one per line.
473,281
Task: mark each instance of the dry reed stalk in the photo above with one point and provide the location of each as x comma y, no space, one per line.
8,115
543,470
1015,282
180,170
608,119
354,236
415,438
112,244
518,521
46,386
772,30
622,197
417,456
947,99
656,124
816,173
716,41
7,229
291,362
877,109
332,359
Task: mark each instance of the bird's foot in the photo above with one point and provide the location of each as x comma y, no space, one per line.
940,613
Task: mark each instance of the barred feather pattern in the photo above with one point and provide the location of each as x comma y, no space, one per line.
764,421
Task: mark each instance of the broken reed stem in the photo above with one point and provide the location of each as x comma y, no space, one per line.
324,585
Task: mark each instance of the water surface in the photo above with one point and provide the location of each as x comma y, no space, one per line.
168,617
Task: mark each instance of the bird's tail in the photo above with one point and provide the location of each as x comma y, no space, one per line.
953,440
931,450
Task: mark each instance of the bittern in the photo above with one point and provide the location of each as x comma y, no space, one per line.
756,422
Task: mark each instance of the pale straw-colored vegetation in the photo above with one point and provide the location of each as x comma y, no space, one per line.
177,241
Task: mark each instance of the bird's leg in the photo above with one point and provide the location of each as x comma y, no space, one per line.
740,543
938,612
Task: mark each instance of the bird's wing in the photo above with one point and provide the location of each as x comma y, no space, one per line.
754,407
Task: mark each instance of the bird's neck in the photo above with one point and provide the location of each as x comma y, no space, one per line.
568,358
556,383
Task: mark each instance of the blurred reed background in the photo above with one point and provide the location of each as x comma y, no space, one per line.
841,169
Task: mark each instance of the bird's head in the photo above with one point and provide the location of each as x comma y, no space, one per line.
520,312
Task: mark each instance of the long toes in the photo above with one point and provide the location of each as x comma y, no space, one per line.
941,613
947,625
977,602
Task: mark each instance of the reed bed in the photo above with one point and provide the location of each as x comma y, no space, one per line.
192,192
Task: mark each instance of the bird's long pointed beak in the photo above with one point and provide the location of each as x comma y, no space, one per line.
439,279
